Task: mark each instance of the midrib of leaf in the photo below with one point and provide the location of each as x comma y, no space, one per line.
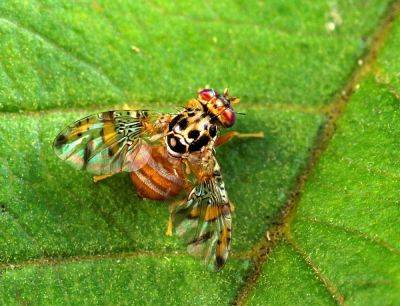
336,109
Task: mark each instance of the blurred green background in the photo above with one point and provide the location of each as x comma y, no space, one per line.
316,218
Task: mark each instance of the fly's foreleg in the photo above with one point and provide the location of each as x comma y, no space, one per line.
223,139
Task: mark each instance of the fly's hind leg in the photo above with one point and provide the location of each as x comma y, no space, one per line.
172,207
98,178
188,187
223,139
170,226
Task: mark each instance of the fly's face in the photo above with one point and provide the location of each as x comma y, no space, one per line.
219,105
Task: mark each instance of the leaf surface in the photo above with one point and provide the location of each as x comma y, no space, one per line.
64,239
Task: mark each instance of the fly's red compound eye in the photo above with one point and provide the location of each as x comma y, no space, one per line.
228,117
207,94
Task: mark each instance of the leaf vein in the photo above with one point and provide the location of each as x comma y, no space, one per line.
78,58
56,260
354,232
327,283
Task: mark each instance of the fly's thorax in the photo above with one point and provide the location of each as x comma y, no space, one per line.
190,131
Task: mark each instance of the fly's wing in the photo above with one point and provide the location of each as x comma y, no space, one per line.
105,143
204,221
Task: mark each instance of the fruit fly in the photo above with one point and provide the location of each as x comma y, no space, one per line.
167,156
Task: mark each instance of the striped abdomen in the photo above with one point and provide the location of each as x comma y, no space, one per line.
162,177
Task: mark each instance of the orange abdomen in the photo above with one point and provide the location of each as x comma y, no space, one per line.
160,178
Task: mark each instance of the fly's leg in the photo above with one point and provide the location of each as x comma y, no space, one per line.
228,136
98,178
187,187
172,207
168,232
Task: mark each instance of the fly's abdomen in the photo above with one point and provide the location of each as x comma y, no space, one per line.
161,177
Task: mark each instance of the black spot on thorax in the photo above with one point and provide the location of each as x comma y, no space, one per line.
183,123
212,130
194,134
198,144
174,121
213,119
175,144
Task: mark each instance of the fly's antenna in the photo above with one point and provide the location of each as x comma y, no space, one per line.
239,113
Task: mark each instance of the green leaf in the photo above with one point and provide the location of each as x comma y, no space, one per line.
64,239
64,54
287,277
344,229
132,279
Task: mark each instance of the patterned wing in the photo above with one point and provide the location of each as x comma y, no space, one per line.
204,221
105,143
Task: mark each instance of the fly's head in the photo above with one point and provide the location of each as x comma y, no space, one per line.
219,106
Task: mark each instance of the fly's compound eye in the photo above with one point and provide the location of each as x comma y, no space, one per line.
228,117
207,94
